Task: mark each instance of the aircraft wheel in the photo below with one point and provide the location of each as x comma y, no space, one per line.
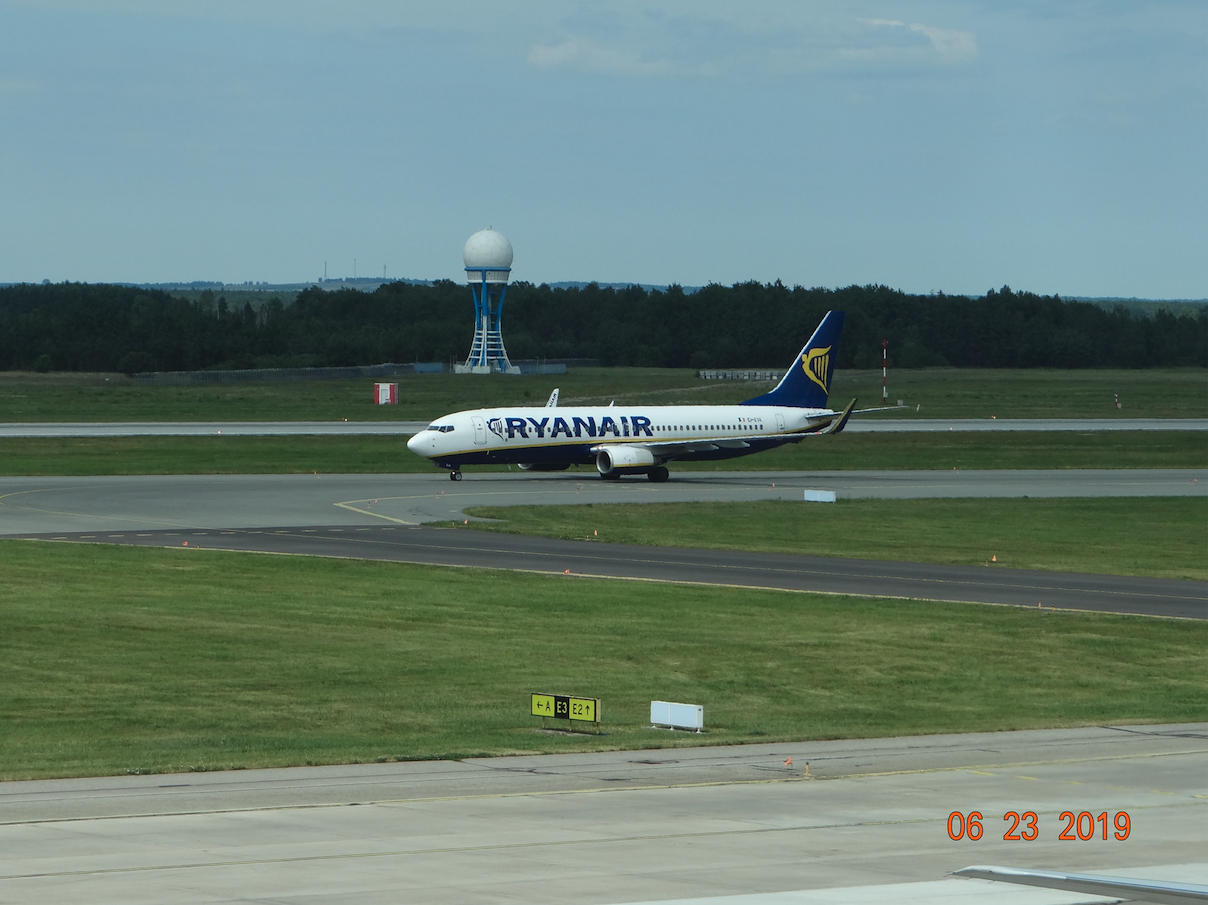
455,476
658,475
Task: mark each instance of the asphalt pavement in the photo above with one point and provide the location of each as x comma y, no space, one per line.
990,583
37,505
801,823
376,517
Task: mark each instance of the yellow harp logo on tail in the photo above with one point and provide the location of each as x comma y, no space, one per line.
814,363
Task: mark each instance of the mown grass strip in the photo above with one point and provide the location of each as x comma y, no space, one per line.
1155,536
389,455
938,392
123,659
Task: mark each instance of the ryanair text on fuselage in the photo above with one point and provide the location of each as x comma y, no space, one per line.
641,440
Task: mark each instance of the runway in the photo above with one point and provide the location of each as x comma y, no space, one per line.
723,825
38,505
865,578
406,428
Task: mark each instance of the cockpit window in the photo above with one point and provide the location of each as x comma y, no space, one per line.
441,428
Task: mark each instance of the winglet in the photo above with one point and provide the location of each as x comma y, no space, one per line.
839,423
553,399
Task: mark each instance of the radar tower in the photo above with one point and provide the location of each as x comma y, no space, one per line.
488,259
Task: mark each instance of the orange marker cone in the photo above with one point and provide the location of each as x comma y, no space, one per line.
788,762
994,558
185,544
595,533
567,572
465,521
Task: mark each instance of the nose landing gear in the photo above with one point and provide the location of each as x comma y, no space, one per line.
455,476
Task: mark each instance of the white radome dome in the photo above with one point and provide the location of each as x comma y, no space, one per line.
487,248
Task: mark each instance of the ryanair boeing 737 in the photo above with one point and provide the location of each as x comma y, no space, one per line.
642,439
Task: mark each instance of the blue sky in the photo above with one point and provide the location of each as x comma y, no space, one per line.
1056,147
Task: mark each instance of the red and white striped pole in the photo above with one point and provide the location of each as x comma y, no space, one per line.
884,370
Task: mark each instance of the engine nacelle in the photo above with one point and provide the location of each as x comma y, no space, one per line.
620,460
544,466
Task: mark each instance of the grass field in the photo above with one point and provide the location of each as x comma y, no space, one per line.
1155,536
389,455
939,393
122,659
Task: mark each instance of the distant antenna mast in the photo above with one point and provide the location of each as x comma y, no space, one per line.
885,371
324,271
354,268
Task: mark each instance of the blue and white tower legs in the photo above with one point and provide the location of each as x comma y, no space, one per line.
488,260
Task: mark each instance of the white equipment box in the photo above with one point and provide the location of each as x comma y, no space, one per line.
677,716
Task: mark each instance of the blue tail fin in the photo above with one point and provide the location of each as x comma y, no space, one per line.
807,382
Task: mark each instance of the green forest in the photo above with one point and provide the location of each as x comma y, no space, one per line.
101,327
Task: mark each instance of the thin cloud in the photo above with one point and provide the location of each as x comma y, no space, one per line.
949,44
575,53
952,46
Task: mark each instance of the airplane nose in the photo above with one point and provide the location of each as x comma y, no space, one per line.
413,443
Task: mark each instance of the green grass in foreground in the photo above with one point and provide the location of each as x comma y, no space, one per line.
121,659
389,455
939,392
1154,536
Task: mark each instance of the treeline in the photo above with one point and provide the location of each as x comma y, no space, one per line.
96,327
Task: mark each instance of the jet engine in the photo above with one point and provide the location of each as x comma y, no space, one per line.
619,460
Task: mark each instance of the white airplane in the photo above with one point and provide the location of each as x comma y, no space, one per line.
641,439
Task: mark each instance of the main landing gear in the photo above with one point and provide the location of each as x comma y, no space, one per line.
658,474
455,476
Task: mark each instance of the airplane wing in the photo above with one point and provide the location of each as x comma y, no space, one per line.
1124,888
669,449
884,408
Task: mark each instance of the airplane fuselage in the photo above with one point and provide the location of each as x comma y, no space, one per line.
575,435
